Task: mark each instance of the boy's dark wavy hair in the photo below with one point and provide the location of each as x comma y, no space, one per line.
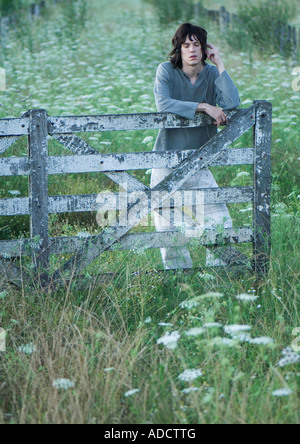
184,31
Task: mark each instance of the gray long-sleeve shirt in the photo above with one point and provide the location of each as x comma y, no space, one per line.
174,93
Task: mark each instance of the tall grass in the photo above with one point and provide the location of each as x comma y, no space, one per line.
173,10
112,338
259,27
8,7
122,345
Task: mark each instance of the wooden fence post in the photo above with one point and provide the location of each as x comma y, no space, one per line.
223,19
262,187
38,189
294,44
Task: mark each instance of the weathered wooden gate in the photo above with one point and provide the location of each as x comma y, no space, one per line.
38,126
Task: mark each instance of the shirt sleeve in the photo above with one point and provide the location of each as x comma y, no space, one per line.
164,101
227,95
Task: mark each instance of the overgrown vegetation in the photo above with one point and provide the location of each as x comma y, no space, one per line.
173,10
147,348
261,27
7,7
70,18
74,16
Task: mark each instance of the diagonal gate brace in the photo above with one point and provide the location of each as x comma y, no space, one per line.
80,147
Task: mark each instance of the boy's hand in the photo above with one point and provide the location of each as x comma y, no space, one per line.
213,111
214,56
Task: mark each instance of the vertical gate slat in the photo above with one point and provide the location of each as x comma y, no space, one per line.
38,188
262,187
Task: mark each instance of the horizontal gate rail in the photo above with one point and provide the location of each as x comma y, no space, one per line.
115,122
98,163
88,203
39,127
14,127
134,241
126,122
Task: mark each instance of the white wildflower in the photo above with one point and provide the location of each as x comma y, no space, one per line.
6,256
247,101
223,341
246,210
148,320
213,325
282,392
186,391
189,303
264,340
196,318
232,329
170,340
247,297
109,369
148,139
3,294
27,349
242,337
195,331
62,383
243,173
206,276
290,357
165,324
280,208
190,374
278,120
211,295
83,235
195,301
131,392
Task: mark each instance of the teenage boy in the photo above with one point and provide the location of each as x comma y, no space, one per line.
184,86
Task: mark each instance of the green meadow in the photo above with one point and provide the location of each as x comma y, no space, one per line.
213,346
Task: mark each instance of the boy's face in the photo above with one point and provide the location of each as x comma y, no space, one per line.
191,52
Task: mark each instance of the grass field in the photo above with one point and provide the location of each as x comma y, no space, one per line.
233,7
209,347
